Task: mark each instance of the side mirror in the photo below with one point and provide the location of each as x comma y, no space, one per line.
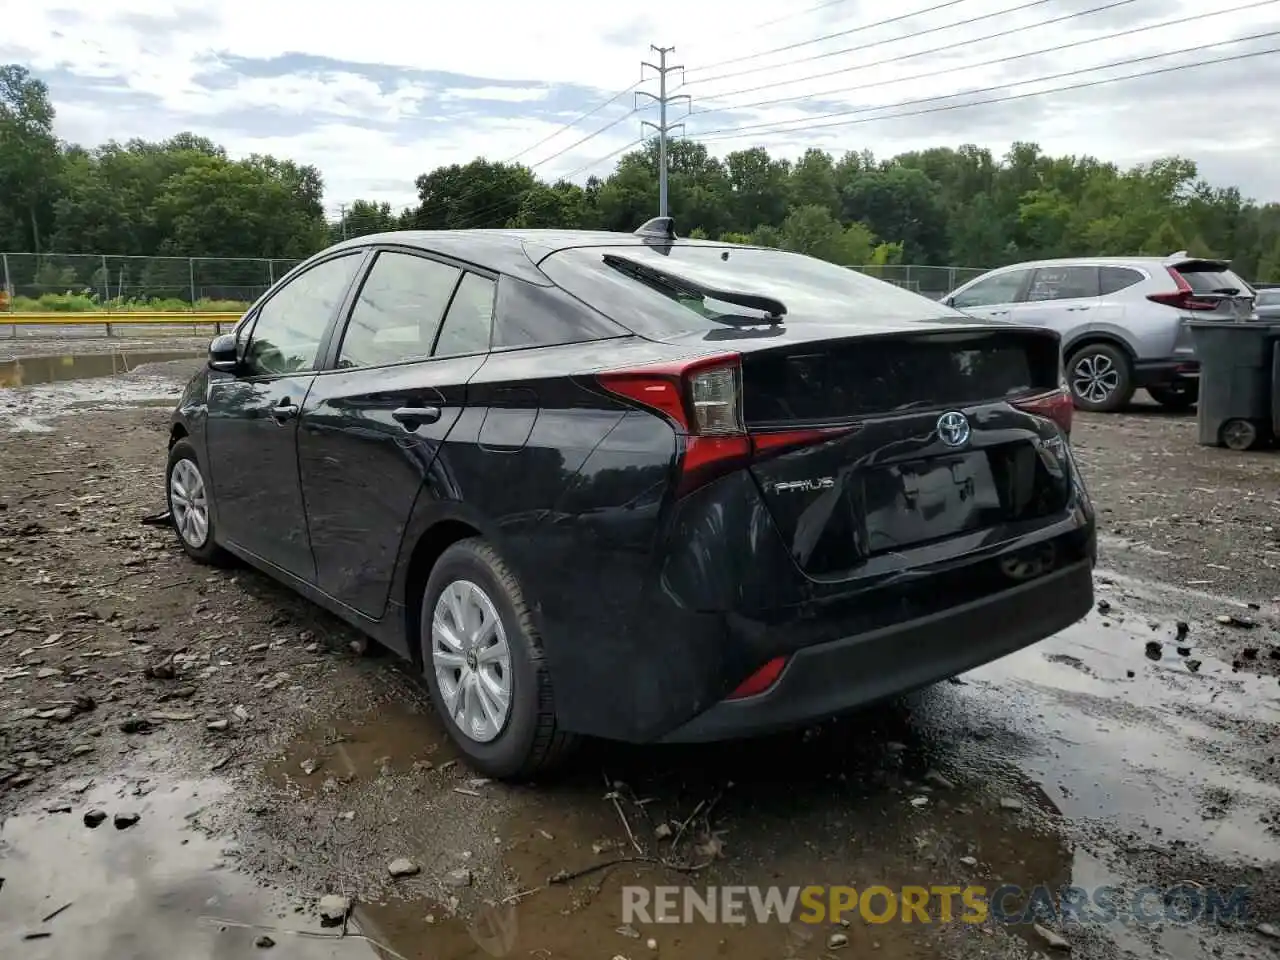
948,301
224,353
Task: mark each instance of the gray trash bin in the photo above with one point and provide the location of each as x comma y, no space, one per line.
1235,382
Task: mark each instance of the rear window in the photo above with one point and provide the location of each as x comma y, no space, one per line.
814,291
1211,278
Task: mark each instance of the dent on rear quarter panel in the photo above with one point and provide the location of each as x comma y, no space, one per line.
591,563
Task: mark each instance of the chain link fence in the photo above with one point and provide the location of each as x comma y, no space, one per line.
80,283
77,283
932,282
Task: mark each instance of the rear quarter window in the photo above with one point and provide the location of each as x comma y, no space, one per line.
1115,279
528,315
814,291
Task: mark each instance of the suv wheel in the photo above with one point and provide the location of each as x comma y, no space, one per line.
1100,377
483,661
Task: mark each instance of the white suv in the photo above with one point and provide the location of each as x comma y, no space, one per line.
1122,319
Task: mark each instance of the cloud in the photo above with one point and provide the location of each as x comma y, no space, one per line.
358,99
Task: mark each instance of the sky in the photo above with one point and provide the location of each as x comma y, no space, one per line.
376,93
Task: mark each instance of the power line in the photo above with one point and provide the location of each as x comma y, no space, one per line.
479,216
574,122
600,160
591,136
545,160
920,33
731,134
921,53
786,16
984,63
547,139
826,36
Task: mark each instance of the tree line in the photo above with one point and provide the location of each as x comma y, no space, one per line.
965,206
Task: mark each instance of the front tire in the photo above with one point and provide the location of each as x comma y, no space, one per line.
483,661
1100,377
190,506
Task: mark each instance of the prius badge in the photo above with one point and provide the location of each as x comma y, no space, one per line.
953,428
817,483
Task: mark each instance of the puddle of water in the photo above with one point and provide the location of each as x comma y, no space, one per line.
831,809
29,371
30,409
1144,752
146,892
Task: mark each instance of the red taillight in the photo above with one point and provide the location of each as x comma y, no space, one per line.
1183,298
1056,406
760,681
702,399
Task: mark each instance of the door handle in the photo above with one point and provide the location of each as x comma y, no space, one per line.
998,313
284,410
413,417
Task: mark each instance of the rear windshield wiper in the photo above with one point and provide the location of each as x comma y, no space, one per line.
1229,291
775,308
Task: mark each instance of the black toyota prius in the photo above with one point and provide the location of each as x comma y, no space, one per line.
637,487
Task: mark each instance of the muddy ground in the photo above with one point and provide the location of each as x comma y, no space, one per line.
271,764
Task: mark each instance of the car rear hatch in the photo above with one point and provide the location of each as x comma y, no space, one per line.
1207,290
913,439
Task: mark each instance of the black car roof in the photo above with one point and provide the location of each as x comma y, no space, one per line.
509,251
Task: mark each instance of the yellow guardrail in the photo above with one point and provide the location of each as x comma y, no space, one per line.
99,319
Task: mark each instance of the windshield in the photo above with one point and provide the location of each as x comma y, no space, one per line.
812,290
1267,298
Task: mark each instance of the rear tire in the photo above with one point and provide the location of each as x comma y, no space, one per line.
1100,377
469,667
1180,397
190,501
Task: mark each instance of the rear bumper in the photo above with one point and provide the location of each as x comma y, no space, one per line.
1155,373
835,677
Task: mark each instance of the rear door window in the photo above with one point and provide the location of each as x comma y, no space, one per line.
1002,288
468,325
1063,283
1115,279
397,314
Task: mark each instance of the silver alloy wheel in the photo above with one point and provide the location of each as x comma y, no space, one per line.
190,503
472,660
1095,378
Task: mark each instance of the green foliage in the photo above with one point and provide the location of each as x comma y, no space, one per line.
92,303
184,197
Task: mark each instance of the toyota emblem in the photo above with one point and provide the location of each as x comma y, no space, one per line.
953,429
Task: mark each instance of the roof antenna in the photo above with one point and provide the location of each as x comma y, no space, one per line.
659,228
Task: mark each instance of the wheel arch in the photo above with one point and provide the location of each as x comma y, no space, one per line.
430,545
1093,338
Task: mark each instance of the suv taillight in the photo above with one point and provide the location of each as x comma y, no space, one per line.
1184,298
702,399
